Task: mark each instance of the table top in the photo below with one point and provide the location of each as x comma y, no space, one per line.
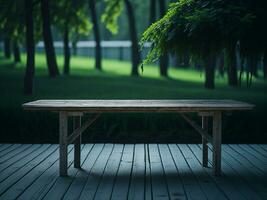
137,105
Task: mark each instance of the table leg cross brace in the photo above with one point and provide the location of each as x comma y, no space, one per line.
78,131
215,139
75,137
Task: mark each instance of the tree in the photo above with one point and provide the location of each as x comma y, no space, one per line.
71,20
221,64
265,64
205,28
16,51
152,11
163,60
96,30
112,11
133,35
253,40
231,65
11,15
48,39
181,29
66,50
29,73
7,50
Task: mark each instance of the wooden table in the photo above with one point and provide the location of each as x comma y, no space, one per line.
76,109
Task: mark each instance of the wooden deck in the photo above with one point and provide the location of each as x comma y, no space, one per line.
117,171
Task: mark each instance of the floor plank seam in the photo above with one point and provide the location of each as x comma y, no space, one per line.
90,172
263,154
21,158
130,179
210,175
83,161
52,183
20,151
251,186
26,163
28,172
6,147
104,170
150,171
116,174
13,148
179,174
199,183
248,160
133,171
164,173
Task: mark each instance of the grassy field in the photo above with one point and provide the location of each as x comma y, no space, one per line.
114,82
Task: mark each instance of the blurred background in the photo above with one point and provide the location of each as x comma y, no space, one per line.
103,49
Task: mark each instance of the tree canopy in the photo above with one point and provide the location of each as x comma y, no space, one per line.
202,26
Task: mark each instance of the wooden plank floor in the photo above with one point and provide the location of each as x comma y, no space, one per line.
141,171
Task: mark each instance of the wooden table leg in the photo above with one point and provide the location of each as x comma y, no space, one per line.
217,135
63,144
77,142
204,142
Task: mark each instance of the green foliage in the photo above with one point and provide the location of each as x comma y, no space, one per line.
163,30
12,19
254,41
73,15
205,27
112,12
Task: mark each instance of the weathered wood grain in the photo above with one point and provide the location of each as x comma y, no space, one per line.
79,181
121,184
61,184
137,105
96,173
107,171
191,185
63,143
43,184
23,171
137,184
205,126
77,142
209,188
217,138
104,189
173,179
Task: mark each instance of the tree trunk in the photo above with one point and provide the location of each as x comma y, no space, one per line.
133,34
48,39
152,13
7,50
96,30
16,51
163,60
265,65
210,63
250,62
231,66
176,60
29,73
242,62
186,59
163,64
74,48
66,50
221,64
255,66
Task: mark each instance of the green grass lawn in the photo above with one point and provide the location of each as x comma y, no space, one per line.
114,82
